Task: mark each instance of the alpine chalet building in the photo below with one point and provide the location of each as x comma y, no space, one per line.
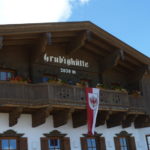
44,71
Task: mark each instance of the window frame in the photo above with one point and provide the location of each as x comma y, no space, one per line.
148,144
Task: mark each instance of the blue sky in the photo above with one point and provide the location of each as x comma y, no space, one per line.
128,20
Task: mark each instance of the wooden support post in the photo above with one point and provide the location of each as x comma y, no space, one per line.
79,118
39,116
111,60
115,119
78,42
14,116
60,117
1,42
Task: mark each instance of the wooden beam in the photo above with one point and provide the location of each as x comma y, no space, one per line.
142,121
79,118
111,60
128,121
137,75
94,49
60,117
1,42
115,119
102,116
14,116
101,44
78,42
39,116
41,47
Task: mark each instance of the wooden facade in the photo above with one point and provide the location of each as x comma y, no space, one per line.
110,61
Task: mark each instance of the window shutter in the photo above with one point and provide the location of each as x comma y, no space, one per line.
66,143
117,143
23,144
132,143
101,143
44,144
83,143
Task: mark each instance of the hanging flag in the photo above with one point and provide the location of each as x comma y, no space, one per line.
92,101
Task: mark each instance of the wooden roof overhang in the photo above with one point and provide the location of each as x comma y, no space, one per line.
74,36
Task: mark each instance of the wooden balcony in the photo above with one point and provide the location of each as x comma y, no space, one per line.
64,95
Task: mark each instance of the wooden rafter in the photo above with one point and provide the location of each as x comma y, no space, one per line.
102,116
115,119
142,121
59,121
78,42
94,49
111,60
128,121
14,116
79,118
39,116
41,47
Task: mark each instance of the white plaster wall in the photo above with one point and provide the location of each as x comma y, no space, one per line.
33,134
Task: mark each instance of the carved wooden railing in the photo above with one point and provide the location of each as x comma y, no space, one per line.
41,94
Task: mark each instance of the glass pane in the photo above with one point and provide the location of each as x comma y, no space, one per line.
3,75
45,79
124,142
121,142
9,75
89,144
57,143
54,143
148,139
12,144
5,144
93,142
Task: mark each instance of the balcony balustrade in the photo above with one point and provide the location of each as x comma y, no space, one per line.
47,93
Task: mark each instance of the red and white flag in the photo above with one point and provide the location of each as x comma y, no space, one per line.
92,101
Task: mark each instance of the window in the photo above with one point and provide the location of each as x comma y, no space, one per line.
10,140
93,142
148,141
8,144
124,141
6,75
54,144
55,141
